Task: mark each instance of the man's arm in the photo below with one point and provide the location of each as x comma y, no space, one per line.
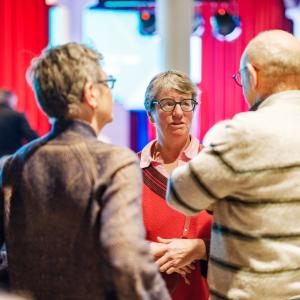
188,191
134,274
208,177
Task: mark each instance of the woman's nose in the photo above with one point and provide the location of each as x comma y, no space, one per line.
177,110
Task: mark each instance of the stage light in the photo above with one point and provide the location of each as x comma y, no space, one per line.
147,22
145,15
225,26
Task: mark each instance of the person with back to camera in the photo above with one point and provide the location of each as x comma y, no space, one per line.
250,173
178,242
14,132
70,210
14,127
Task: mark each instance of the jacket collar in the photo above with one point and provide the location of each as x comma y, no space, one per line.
77,126
280,96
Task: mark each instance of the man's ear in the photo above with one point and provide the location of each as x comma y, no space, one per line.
252,75
150,117
89,95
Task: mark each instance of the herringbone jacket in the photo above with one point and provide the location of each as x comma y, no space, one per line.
70,207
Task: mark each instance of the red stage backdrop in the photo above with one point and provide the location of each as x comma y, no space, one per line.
221,97
24,33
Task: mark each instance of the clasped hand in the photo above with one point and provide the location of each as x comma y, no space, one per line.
177,255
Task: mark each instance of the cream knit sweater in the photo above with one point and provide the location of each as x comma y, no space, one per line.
250,172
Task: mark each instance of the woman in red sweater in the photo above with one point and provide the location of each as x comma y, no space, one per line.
178,242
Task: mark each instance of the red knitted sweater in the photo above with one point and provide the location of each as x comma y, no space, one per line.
161,220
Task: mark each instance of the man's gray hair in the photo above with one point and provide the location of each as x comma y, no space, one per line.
58,77
169,80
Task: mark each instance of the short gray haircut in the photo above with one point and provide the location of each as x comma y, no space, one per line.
169,80
58,77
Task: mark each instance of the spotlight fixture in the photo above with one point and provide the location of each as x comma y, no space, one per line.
147,22
225,26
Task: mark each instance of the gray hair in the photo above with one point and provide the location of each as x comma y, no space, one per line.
58,76
169,80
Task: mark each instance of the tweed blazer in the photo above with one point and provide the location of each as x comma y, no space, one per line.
71,220
250,172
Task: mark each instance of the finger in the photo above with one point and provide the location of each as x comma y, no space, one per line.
186,280
162,260
180,271
186,270
171,270
165,241
166,266
158,252
191,267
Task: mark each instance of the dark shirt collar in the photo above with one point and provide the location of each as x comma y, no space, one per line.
279,96
255,106
78,126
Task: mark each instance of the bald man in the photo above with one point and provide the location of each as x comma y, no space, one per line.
250,174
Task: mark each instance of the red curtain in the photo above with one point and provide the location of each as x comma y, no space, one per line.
221,97
24,34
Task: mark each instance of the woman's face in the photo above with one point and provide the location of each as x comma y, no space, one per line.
174,124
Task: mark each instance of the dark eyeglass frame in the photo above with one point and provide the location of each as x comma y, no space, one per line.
109,82
237,77
194,103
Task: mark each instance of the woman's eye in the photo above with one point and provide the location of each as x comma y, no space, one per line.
170,103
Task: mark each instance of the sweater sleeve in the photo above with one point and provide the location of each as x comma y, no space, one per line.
207,178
